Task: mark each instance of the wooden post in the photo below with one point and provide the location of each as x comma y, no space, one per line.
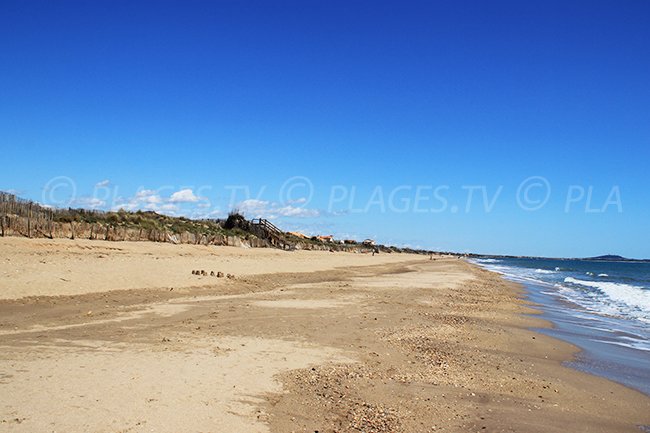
2,226
72,229
29,221
92,226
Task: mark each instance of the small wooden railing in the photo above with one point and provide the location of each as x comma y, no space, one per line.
269,231
267,225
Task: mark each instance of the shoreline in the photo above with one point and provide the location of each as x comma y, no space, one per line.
383,344
609,346
590,336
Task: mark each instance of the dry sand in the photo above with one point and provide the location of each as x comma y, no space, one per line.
43,267
299,341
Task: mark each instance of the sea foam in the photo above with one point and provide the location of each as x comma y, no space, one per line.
633,296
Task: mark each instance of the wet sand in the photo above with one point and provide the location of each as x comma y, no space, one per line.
298,342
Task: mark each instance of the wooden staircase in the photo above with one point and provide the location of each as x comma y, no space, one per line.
265,229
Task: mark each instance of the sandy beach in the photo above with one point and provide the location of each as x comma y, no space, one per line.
102,336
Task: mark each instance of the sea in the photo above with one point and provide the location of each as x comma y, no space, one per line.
603,307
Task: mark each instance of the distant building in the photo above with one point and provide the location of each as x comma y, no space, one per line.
369,242
329,238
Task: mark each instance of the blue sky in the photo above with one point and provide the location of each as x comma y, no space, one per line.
359,119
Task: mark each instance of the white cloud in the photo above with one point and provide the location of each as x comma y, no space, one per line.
184,196
145,199
151,200
147,196
292,211
207,214
168,207
252,206
266,209
88,202
103,183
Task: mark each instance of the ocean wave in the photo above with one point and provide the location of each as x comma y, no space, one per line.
567,269
522,275
544,271
612,299
488,260
633,296
643,345
595,302
603,275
